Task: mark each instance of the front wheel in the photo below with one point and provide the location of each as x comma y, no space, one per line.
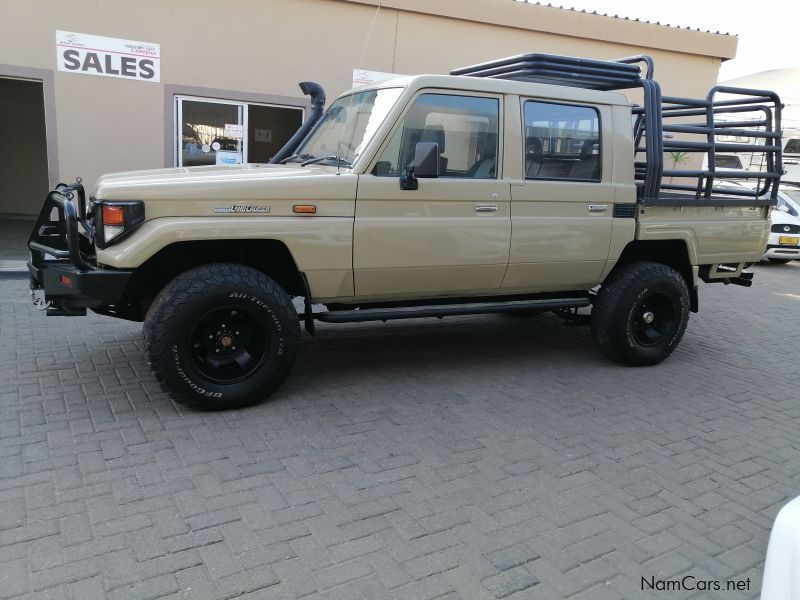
221,336
640,313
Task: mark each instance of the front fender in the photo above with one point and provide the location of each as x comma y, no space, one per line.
320,246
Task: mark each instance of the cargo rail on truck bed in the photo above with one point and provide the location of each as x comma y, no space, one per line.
670,128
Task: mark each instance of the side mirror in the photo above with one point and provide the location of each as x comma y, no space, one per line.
425,165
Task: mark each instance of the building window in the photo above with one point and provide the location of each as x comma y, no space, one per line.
562,142
217,132
465,127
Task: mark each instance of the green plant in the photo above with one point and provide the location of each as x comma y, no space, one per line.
677,158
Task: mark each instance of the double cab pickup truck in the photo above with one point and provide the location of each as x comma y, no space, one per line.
521,185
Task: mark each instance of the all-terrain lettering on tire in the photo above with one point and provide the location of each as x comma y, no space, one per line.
221,336
189,382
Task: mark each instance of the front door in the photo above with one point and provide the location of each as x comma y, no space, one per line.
452,235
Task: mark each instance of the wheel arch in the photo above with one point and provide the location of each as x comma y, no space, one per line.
271,257
672,253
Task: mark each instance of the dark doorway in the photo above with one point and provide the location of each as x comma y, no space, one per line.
23,170
269,128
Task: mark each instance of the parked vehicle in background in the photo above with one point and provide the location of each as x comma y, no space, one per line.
728,161
782,567
791,155
751,159
784,238
500,188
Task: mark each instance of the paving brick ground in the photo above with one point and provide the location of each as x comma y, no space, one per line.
475,457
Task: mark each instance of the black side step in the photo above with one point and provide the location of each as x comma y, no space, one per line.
444,310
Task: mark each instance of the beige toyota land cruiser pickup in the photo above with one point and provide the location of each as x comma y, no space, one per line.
521,185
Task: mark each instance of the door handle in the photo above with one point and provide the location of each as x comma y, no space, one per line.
486,208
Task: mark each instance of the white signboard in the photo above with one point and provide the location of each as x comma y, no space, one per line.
362,77
107,57
233,131
229,157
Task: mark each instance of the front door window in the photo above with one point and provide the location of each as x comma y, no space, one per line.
465,127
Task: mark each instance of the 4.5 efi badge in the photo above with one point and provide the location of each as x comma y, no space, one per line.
243,208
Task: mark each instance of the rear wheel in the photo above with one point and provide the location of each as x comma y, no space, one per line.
640,314
221,336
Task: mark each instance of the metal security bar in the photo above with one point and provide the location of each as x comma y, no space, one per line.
681,127
60,236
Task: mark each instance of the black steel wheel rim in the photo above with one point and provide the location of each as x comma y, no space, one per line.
654,320
228,344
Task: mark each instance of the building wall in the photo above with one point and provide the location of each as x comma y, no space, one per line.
265,47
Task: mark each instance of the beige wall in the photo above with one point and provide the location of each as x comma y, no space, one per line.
268,46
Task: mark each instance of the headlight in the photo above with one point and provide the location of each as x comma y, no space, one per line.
115,220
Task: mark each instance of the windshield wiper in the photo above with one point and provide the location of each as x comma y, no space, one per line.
301,158
316,159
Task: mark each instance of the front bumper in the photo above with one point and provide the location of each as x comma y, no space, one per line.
782,252
68,291
71,281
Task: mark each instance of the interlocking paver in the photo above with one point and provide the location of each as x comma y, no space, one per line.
476,457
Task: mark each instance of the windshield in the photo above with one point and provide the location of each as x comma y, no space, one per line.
789,198
793,193
347,127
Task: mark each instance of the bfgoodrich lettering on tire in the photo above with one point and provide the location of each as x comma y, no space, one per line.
640,313
221,336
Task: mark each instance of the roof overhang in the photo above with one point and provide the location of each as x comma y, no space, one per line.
574,23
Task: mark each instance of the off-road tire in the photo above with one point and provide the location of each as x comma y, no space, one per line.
779,261
174,316
618,323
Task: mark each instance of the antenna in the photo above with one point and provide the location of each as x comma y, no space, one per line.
360,65
369,34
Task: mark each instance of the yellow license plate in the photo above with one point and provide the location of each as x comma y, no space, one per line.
786,240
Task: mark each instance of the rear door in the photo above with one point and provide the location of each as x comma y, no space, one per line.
451,236
562,209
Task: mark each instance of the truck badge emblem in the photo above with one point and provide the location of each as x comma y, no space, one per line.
243,208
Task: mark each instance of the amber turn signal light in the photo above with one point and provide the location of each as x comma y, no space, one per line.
307,209
113,215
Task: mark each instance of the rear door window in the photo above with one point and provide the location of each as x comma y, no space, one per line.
562,141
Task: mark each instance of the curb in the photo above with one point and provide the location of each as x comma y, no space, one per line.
14,274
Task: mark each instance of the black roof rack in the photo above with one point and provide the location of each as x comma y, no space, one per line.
617,74
700,125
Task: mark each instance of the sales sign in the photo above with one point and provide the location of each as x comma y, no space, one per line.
107,57
234,131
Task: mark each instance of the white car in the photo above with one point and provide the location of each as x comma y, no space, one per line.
782,568
784,237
